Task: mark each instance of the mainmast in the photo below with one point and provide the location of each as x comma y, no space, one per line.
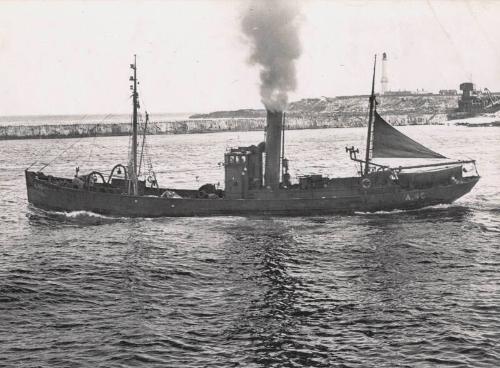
370,121
134,128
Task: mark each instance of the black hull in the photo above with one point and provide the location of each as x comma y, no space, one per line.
46,195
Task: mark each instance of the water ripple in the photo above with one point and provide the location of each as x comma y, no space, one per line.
391,289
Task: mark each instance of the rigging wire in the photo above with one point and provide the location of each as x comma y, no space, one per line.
448,36
76,142
479,26
61,153
51,146
146,151
92,145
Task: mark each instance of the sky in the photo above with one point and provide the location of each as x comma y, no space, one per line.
73,57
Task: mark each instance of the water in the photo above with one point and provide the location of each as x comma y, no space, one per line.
415,289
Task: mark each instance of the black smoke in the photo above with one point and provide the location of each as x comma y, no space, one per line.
272,28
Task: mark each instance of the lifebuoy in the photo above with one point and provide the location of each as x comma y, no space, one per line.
366,183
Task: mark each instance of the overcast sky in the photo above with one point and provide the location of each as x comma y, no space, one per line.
73,57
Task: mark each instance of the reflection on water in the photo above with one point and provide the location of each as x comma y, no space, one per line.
268,318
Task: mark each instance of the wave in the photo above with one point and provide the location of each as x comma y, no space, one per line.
427,208
78,218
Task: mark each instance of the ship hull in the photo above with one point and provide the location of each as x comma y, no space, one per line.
49,196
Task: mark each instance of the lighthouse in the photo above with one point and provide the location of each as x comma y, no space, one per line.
384,81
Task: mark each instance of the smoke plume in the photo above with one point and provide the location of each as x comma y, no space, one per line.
272,28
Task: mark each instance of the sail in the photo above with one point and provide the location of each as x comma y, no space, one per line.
388,142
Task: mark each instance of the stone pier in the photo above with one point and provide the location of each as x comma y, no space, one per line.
304,121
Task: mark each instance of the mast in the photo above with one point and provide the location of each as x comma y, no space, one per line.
134,128
283,147
370,118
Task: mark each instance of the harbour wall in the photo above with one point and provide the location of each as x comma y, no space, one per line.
293,121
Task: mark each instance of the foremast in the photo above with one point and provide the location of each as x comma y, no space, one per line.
135,105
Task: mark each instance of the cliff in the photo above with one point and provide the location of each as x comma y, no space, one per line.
424,104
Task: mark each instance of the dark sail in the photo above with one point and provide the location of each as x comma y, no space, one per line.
388,142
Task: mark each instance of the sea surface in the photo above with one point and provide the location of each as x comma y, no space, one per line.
389,289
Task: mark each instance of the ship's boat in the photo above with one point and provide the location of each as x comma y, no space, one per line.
257,181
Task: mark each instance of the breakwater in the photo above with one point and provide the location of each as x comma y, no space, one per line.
310,121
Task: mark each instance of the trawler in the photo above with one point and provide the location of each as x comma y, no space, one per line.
257,180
